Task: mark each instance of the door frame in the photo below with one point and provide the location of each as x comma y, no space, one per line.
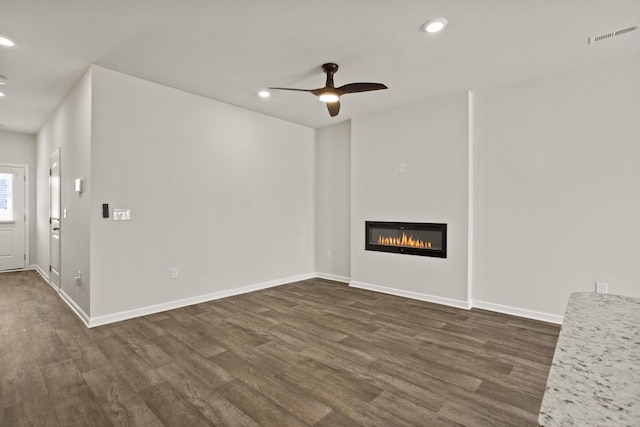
27,212
57,287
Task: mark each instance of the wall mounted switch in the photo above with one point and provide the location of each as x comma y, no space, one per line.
174,272
121,214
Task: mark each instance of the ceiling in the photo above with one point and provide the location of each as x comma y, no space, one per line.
230,49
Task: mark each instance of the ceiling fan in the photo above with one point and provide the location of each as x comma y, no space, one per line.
330,94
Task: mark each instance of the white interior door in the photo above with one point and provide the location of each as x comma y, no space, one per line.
54,219
12,218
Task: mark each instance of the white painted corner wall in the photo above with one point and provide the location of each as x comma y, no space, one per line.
69,129
223,194
557,187
510,170
333,202
431,139
541,192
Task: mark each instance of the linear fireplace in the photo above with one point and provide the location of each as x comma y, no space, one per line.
413,238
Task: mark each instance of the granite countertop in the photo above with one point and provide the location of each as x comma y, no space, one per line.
595,374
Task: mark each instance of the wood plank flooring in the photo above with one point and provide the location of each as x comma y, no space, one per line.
311,353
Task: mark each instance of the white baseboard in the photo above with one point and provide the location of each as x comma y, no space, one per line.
44,275
143,311
333,277
40,271
75,307
505,309
520,312
412,295
171,305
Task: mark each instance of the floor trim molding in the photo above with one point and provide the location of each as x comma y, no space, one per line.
157,308
333,277
171,305
40,271
483,305
412,295
519,312
44,276
75,307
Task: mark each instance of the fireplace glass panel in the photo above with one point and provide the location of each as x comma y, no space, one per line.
426,239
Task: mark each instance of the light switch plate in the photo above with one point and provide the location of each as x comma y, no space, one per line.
121,214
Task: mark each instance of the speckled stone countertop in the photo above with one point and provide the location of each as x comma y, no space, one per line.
595,374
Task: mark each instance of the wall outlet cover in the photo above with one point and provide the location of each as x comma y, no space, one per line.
602,287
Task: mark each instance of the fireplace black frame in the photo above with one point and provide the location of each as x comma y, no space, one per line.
407,226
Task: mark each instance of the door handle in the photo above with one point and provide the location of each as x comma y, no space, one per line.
56,228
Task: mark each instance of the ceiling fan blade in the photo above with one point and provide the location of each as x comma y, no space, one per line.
360,87
334,108
290,88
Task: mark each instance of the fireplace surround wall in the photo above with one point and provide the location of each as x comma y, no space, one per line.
411,238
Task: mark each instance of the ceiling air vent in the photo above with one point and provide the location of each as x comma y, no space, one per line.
613,34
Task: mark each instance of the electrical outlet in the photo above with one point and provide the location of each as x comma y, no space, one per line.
394,168
174,272
401,168
78,279
329,254
602,287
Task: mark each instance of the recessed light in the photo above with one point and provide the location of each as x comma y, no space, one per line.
6,41
264,94
1,94
434,25
3,80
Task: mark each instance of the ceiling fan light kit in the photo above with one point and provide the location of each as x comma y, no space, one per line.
329,97
6,41
330,94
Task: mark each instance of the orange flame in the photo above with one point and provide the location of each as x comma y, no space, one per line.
408,242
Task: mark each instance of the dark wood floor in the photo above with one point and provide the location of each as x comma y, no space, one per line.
308,353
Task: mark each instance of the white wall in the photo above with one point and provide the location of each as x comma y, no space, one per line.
224,194
557,187
333,203
69,129
555,192
431,139
20,148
